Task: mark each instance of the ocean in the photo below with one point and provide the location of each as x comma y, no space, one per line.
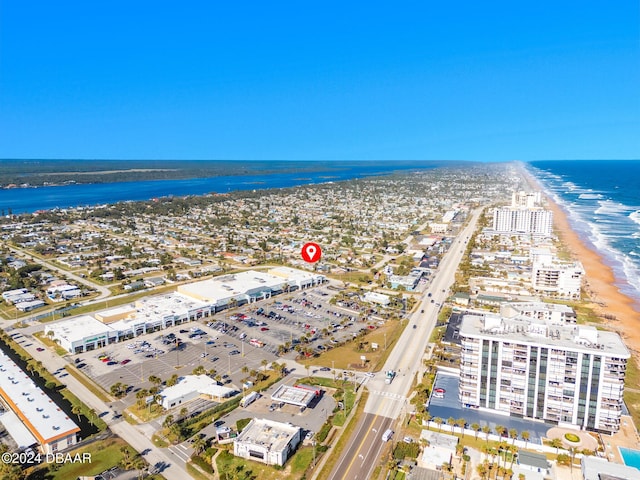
602,200
27,200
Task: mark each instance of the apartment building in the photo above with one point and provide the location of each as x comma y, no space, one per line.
523,220
544,369
557,278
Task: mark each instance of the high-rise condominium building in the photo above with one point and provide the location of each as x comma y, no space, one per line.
543,369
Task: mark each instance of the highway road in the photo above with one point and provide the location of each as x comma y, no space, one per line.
386,403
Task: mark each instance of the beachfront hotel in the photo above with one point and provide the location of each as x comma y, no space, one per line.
543,368
29,415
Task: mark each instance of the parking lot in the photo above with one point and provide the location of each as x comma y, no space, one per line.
305,318
177,350
446,404
230,340
310,419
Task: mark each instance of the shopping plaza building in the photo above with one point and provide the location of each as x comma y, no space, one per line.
191,302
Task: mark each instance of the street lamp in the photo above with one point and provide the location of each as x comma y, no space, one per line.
313,442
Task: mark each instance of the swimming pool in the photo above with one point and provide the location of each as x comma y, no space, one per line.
631,457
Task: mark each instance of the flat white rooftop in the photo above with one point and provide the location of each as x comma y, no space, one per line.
42,417
293,274
169,304
14,426
528,330
79,328
225,287
195,384
293,395
274,436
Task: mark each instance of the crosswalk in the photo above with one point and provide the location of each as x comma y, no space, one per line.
390,395
181,451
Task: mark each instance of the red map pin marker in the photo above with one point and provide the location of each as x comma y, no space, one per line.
311,252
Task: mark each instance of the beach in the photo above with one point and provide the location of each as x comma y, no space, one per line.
617,311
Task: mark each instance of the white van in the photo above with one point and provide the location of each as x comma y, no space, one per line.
386,436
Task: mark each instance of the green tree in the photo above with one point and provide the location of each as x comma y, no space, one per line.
476,428
168,421
461,422
199,444
438,421
76,410
486,429
556,443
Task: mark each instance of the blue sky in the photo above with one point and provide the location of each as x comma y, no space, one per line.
469,80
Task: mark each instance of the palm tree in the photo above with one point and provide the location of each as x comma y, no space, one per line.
461,422
183,412
76,410
126,456
199,444
556,443
486,429
438,421
500,430
92,416
167,421
525,436
451,422
139,464
513,433
264,363
476,428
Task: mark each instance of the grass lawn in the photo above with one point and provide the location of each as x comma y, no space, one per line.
114,302
349,399
226,462
104,455
360,278
347,356
197,474
294,469
92,416
50,343
145,413
632,399
158,441
92,387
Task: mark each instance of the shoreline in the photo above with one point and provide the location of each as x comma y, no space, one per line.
605,297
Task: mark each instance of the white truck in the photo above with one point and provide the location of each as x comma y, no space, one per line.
389,376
